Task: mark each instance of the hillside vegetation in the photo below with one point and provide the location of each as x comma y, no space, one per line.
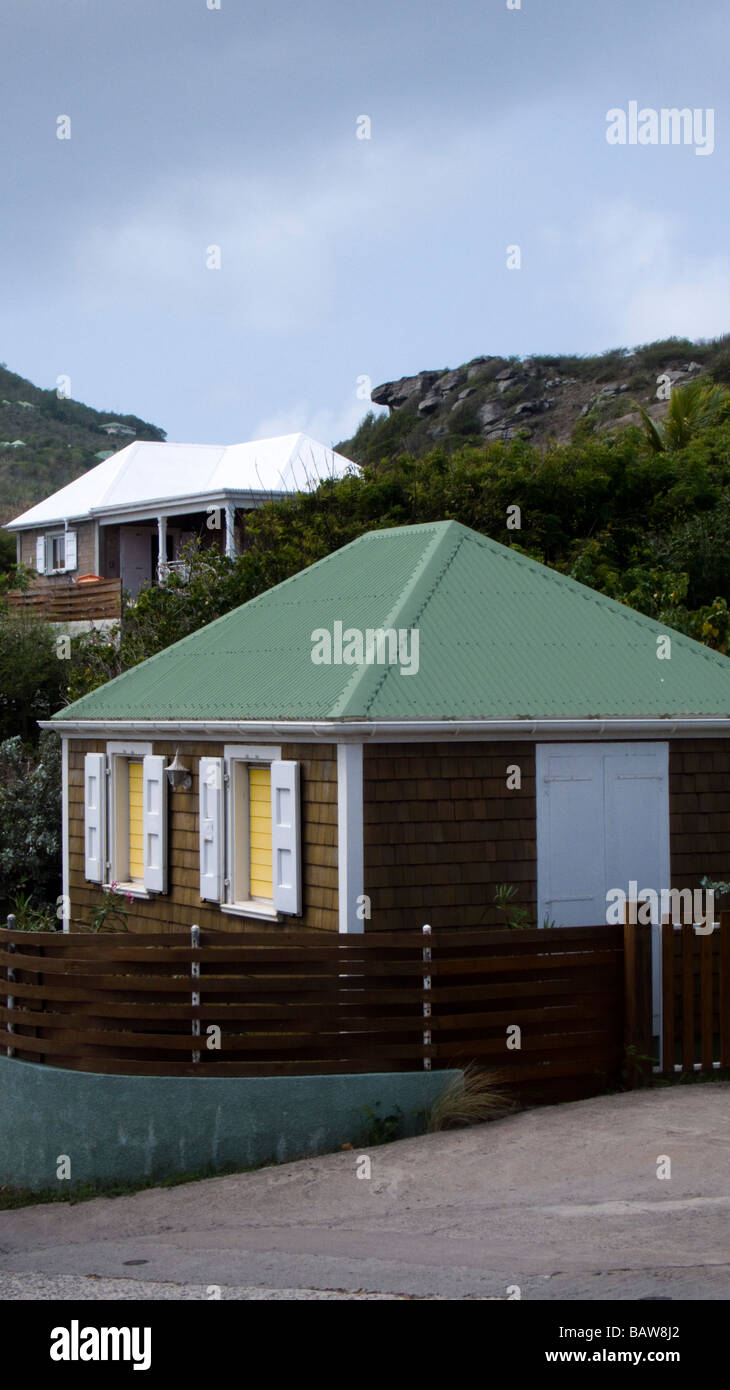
47,441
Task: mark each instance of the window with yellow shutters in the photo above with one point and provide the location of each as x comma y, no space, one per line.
259,802
250,832
251,844
136,842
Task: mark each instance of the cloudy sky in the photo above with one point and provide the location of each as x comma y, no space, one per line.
341,257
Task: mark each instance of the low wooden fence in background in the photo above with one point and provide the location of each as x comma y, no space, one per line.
559,1013
67,603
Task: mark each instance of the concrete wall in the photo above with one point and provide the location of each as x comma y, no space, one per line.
132,1128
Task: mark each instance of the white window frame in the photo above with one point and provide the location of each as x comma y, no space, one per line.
118,756
50,537
236,756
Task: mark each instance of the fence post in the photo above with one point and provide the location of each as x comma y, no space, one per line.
637,1001
724,930
195,997
426,1003
668,1011
11,979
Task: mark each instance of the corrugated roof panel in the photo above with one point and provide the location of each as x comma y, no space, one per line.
500,636
148,471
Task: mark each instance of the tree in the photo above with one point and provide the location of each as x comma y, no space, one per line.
692,408
30,820
32,676
7,552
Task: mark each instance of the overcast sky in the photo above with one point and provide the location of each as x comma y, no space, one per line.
343,258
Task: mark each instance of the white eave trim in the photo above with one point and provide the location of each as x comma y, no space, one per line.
47,523
124,512
393,730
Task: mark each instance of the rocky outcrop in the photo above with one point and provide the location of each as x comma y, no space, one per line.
409,389
490,413
492,398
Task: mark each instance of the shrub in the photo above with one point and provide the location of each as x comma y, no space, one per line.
32,678
30,821
470,1099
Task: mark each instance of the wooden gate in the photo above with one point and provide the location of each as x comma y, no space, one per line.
695,993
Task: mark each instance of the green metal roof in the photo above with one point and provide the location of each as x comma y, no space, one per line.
500,636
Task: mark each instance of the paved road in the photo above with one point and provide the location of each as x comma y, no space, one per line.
560,1203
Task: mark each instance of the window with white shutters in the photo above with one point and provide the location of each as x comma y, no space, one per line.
125,819
250,831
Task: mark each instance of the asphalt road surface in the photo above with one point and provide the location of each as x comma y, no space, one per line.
556,1203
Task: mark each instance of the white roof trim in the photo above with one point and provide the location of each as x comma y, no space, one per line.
381,730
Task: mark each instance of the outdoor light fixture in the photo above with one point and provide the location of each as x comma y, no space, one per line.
179,777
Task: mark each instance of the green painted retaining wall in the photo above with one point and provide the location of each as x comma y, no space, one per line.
132,1128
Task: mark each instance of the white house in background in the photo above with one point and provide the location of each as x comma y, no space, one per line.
130,516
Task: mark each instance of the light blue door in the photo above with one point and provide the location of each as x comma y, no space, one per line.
602,823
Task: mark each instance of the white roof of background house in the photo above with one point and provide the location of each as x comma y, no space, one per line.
146,473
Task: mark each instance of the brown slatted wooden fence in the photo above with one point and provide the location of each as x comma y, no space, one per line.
695,998
289,1002
303,1002
63,603
563,988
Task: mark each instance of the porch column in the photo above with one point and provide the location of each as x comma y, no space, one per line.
350,852
229,512
161,545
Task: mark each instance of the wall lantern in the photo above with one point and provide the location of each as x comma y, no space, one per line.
179,777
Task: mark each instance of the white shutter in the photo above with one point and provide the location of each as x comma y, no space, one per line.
94,817
210,809
40,554
154,811
570,835
70,550
286,837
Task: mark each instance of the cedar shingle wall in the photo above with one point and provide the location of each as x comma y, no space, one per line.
181,906
699,810
442,830
85,563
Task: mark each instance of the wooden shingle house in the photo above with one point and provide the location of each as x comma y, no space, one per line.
389,735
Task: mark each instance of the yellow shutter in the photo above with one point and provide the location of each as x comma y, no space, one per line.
259,787
136,845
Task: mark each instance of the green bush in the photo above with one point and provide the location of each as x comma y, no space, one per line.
32,678
30,822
